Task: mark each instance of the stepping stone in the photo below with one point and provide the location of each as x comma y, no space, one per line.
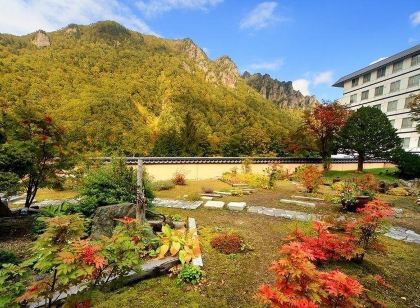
206,198
213,195
236,206
308,198
224,193
214,204
251,190
303,203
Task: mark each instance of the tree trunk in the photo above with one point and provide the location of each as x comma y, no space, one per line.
360,161
4,209
140,199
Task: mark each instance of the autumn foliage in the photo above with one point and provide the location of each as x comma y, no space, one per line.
298,281
310,177
227,243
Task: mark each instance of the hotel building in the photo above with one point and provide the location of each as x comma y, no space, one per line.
390,85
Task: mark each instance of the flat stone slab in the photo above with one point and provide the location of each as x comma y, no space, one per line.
224,193
206,198
282,213
214,204
297,202
214,195
403,234
308,198
236,206
178,204
240,185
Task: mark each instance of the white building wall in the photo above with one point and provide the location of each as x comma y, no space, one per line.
382,101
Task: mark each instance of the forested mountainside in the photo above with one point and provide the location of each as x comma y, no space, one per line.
113,89
279,92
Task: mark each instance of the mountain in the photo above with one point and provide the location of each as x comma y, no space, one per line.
279,92
114,89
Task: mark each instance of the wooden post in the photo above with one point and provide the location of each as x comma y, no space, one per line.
140,199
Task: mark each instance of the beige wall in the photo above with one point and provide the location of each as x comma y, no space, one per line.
209,171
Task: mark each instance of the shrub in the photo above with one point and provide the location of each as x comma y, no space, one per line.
190,274
338,186
162,185
274,173
310,177
228,243
207,190
398,191
8,257
408,164
367,183
179,179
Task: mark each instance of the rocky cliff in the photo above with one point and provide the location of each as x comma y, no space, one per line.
280,92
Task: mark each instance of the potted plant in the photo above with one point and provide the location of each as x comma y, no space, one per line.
348,196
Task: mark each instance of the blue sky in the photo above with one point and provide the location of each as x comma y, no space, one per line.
312,43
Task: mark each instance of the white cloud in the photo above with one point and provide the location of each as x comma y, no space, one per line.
323,77
377,60
154,7
302,85
270,66
262,16
415,18
25,16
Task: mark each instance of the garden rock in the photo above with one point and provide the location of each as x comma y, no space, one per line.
308,198
178,204
236,206
403,234
103,221
281,213
214,204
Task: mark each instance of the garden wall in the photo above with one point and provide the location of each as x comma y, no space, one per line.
199,168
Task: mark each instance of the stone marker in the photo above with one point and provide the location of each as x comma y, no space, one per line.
214,204
224,193
303,203
236,206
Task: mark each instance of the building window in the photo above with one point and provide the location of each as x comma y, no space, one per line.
395,86
377,106
407,123
365,94
397,66
381,72
415,60
392,123
392,106
414,81
366,77
406,142
353,98
355,82
408,101
379,90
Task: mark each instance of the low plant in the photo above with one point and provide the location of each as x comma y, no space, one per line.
366,183
348,196
8,257
13,280
190,273
181,242
162,185
398,191
274,173
228,243
179,179
310,177
207,190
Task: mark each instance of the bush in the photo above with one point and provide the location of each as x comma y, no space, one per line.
338,186
162,185
8,257
398,191
408,164
207,190
310,177
190,274
179,179
228,243
367,183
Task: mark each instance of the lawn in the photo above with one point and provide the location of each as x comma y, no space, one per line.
382,174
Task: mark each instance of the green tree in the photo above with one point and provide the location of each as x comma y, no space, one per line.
369,134
415,110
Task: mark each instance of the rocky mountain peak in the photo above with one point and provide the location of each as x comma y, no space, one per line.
280,92
41,39
228,72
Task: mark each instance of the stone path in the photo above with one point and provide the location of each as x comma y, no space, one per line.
403,234
297,202
282,213
179,204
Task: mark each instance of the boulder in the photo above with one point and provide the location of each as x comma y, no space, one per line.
103,221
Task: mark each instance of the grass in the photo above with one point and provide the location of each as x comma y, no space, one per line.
382,174
50,194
